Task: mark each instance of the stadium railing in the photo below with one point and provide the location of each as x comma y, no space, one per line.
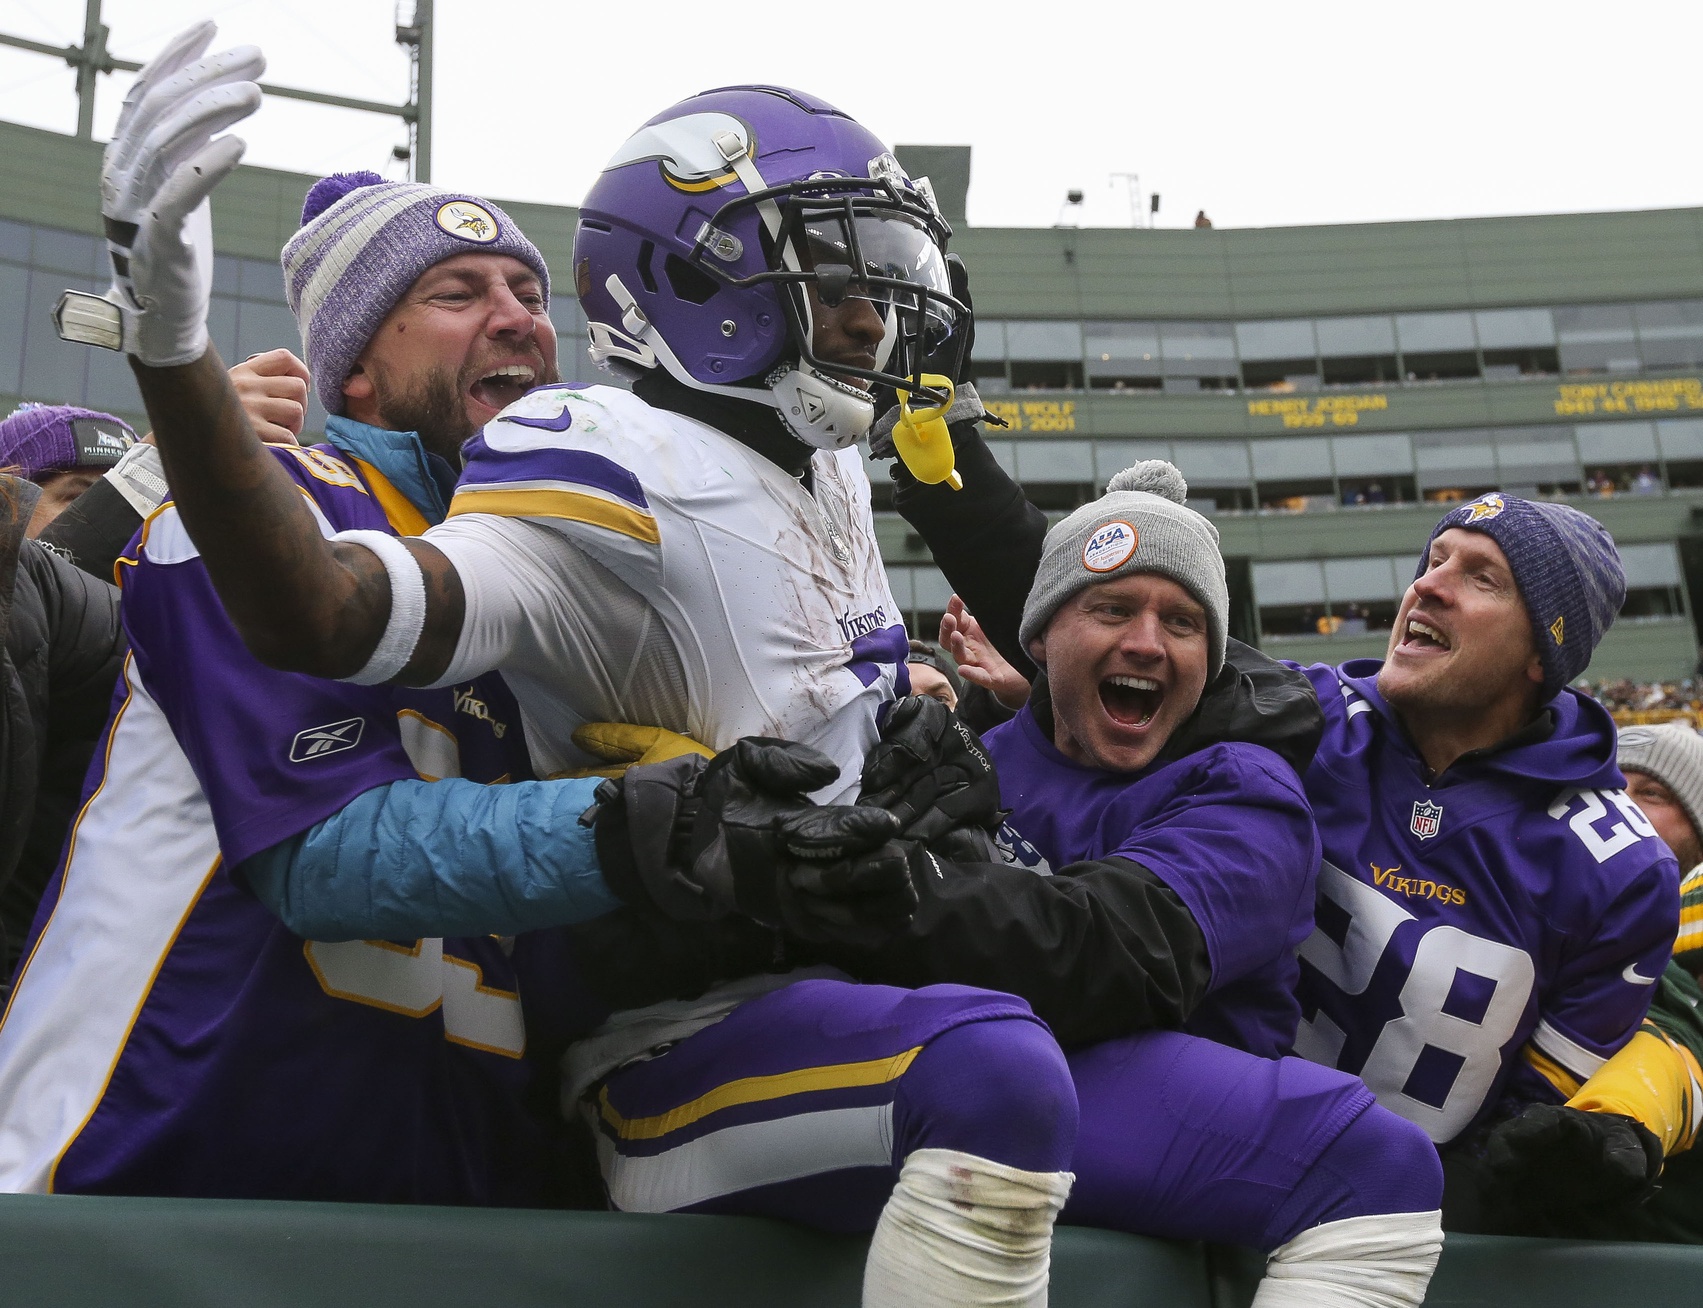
76,1250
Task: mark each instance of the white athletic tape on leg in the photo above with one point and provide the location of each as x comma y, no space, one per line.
964,1230
1381,1261
407,607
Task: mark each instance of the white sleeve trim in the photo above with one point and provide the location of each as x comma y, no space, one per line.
1578,1060
407,607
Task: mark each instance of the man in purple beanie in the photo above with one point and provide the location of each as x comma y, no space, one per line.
1494,912
63,449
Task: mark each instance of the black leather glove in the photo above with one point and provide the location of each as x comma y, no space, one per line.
932,773
698,840
1552,1159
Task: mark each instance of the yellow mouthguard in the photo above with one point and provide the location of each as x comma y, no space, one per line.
922,439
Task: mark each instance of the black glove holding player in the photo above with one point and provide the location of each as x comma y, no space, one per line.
934,775
698,840
1552,1161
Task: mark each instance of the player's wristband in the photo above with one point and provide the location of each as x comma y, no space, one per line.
407,607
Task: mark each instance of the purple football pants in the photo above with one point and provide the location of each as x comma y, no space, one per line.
803,1104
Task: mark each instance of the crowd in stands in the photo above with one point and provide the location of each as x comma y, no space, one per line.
526,795
1648,701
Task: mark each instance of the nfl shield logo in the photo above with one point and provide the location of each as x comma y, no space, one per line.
1427,817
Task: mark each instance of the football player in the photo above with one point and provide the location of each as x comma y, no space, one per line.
167,1035
699,555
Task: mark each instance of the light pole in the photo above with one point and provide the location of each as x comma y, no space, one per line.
92,58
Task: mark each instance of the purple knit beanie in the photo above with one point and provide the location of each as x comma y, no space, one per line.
42,438
1566,567
363,242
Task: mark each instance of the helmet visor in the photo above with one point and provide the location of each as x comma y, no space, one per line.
893,260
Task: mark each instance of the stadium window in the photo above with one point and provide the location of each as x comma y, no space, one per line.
54,371
264,326
1044,342
14,241
1056,474
1652,602
1031,376
69,252
1670,333
1198,355
1451,466
1596,338
1437,346
1361,370
1371,492
988,366
1112,457
1281,375
1290,597
1653,581
1364,593
1527,361
1294,476
1517,343
1364,455
1619,458
1217,471
1358,351
14,289
1123,356
262,279
1682,452
1278,355
1537,462
111,385
1045,356
1312,495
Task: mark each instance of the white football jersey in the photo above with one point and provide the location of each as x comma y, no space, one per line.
624,563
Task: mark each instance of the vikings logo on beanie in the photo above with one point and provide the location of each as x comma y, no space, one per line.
1141,524
36,439
1566,567
363,242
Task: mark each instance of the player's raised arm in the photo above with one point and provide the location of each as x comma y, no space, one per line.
302,602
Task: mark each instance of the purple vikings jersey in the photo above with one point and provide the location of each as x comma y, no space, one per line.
1226,828
1498,932
166,1035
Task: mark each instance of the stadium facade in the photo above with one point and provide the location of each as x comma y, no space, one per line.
1325,389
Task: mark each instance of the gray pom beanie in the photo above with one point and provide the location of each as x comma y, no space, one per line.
1673,755
1139,525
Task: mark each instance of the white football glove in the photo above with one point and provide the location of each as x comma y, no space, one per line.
156,175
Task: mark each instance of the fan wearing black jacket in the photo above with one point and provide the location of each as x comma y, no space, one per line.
62,648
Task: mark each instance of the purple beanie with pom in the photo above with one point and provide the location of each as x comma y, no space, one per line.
363,242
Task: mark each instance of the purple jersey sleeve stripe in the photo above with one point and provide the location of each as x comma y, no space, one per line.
485,465
572,506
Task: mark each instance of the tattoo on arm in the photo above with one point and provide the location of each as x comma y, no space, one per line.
302,603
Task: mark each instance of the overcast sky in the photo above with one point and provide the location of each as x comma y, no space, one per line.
1263,114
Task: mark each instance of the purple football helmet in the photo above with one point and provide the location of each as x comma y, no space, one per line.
704,239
